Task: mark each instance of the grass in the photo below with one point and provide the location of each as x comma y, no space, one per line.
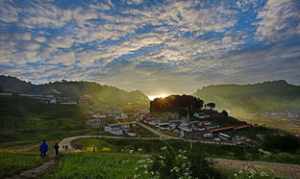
13,163
211,150
28,121
91,165
249,174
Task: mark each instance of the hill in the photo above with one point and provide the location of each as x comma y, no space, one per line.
28,120
25,116
261,98
97,96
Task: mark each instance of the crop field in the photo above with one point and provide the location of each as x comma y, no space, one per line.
12,163
91,165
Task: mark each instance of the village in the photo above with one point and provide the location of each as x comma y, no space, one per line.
206,126
199,127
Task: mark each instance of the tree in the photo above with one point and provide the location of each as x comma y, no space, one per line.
225,113
176,103
285,143
211,106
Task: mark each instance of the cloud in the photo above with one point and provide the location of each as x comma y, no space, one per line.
279,20
172,45
8,13
65,58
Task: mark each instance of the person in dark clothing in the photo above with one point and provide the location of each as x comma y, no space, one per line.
56,147
44,149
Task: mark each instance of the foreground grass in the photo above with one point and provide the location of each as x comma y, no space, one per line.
211,150
13,163
93,165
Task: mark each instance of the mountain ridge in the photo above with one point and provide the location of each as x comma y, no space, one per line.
99,95
269,96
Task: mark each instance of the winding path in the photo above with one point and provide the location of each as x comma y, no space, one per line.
35,172
65,145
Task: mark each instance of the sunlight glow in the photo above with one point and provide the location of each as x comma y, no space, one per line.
162,95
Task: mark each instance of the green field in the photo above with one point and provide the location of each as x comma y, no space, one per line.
27,121
12,163
122,159
211,150
87,165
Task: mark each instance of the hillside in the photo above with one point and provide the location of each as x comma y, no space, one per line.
99,96
26,118
260,98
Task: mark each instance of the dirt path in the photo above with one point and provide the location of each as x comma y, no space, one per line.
36,172
279,169
65,145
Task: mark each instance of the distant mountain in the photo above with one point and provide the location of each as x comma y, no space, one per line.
98,96
273,96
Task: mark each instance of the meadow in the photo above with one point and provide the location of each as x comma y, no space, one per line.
91,165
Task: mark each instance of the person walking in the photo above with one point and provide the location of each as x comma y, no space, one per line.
56,148
44,149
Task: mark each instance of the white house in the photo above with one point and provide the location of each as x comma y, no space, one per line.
208,135
120,116
52,101
114,129
185,128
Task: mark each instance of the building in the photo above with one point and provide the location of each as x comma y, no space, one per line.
5,94
114,129
84,99
208,135
120,116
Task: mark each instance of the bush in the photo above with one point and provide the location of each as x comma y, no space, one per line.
285,143
173,164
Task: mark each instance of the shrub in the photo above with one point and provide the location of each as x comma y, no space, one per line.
285,143
172,164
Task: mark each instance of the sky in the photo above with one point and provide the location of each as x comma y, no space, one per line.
156,46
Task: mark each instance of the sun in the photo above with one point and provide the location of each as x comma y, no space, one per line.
161,95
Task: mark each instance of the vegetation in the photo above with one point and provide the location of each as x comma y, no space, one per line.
210,150
86,165
176,103
25,119
12,163
251,173
284,143
170,163
251,102
253,98
98,96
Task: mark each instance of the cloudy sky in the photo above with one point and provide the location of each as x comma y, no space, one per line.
152,45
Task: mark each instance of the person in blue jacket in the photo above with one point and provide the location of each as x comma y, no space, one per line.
43,149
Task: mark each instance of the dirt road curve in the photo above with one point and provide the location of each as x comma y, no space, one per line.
65,145
279,169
